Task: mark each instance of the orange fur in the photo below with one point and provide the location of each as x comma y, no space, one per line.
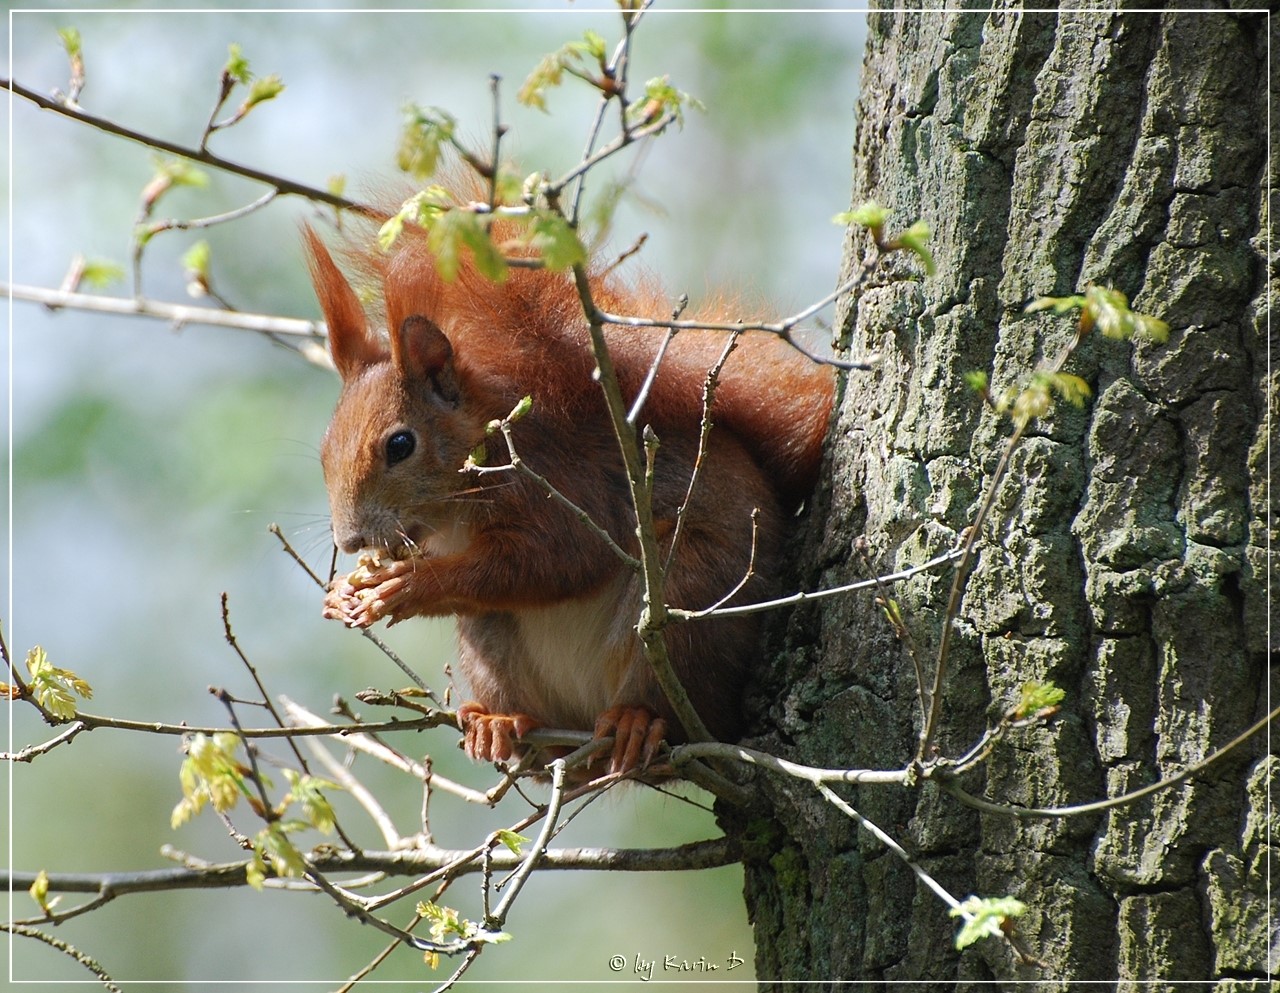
546,610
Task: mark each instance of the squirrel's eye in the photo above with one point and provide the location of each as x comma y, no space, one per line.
400,446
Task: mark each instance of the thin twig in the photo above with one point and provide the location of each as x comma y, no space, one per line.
341,775
804,596
280,183
197,223
547,487
709,385
368,634
654,613
253,674
952,787
496,920
899,626
650,376
33,751
681,754
930,728
499,129
180,315
782,328
357,739
66,949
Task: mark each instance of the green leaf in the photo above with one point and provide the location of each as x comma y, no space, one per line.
1108,310
555,241
1151,328
55,689
390,231
237,66
168,174
520,409
423,208
196,260
456,229
511,839
255,873
574,57
273,845
101,272
868,215
446,925
1036,698
984,918
1059,305
661,97
978,381
266,88
1034,401
71,42
39,892
307,791
426,131
180,172
915,239
209,774
1071,388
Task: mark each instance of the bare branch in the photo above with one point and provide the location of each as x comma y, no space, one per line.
66,948
181,315
966,562
358,740
952,787
499,915
782,328
681,754
804,597
279,183
368,635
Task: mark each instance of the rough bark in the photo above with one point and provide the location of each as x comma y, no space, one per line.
1126,559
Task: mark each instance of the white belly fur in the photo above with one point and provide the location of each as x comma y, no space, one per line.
578,651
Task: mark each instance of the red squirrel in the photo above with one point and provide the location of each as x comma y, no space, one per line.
546,610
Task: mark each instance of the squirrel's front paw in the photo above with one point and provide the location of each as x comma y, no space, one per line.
366,596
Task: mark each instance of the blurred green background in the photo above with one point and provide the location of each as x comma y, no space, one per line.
148,462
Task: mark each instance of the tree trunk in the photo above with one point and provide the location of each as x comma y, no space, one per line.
1126,555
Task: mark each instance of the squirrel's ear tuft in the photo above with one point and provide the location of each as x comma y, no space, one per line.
420,350
352,344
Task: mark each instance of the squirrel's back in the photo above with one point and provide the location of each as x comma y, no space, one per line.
528,334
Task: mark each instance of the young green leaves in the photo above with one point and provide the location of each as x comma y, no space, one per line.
578,58
1108,310
55,689
212,775
1099,307
426,132
454,230
448,927
985,917
873,217
236,73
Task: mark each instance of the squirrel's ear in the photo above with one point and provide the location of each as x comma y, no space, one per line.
420,350
351,344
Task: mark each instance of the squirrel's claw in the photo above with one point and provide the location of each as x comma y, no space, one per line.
637,735
490,737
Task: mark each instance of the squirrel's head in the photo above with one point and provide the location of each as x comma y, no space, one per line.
394,452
